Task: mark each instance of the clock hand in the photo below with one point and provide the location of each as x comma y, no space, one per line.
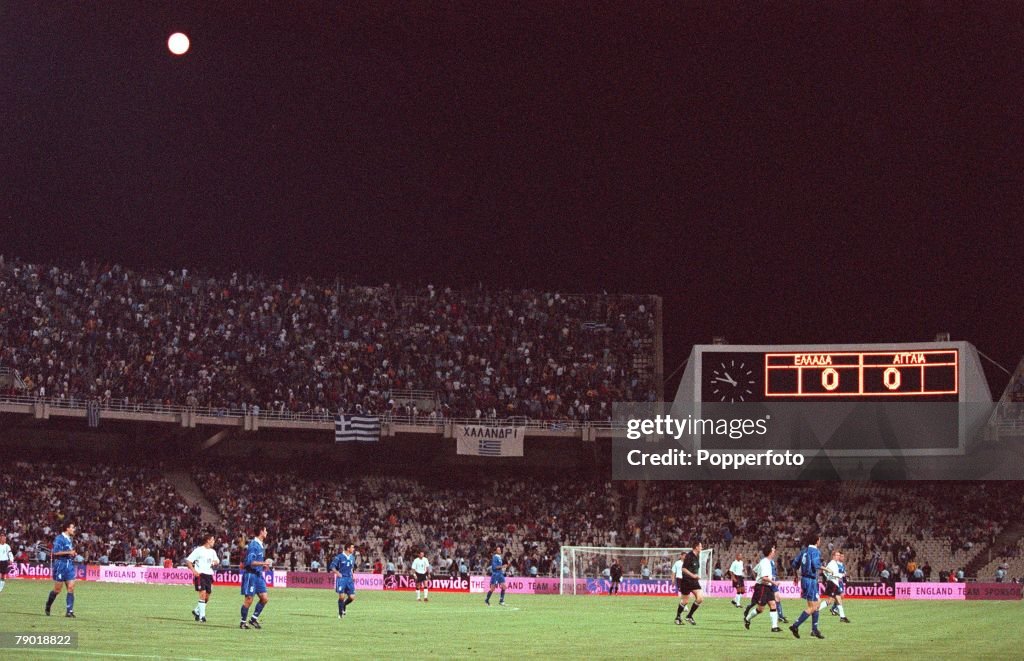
728,379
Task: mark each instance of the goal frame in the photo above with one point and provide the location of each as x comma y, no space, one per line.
570,570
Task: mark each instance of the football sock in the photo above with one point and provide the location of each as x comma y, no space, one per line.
775,619
501,597
49,601
245,613
202,609
259,609
814,620
2,586
778,606
751,614
841,611
425,591
800,620
417,595
693,609
487,599
70,601
679,610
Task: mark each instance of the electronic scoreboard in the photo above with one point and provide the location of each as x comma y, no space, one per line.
849,400
910,375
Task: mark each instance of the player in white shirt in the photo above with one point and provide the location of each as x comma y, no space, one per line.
763,590
736,573
677,570
421,567
835,577
201,561
6,558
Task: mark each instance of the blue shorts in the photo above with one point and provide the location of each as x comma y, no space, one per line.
253,584
809,589
345,586
64,574
497,578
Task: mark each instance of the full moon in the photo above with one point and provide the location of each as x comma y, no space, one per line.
178,43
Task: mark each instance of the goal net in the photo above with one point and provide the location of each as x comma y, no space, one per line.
587,569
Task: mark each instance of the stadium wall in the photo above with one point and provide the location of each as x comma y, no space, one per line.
520,585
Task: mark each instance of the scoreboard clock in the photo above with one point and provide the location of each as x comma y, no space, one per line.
822,374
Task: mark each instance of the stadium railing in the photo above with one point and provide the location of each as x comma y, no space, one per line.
189,416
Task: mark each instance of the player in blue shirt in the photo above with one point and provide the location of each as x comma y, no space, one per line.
253,582
497,577
63,568
344,582
810,566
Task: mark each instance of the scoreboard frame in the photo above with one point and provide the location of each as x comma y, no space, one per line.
710,362
893,365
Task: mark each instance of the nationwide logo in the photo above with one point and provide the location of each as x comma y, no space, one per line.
868,590
403,582
234,577
634,586
25,570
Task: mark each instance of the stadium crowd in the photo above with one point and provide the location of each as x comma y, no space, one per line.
244,342
124,514
909,531
887,531
391,518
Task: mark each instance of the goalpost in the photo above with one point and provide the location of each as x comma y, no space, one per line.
582,567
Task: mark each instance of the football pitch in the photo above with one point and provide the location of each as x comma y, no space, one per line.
154,621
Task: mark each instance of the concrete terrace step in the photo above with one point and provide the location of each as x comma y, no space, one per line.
193,495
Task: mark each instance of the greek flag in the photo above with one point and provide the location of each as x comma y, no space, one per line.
92,413
362,428
489,447
488,441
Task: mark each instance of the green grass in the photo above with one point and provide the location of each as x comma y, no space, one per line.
150,621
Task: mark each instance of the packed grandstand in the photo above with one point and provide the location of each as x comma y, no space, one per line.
239,341
133,515
244,342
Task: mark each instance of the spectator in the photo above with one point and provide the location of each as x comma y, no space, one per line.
244,343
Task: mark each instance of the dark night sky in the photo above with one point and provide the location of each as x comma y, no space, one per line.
778,172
